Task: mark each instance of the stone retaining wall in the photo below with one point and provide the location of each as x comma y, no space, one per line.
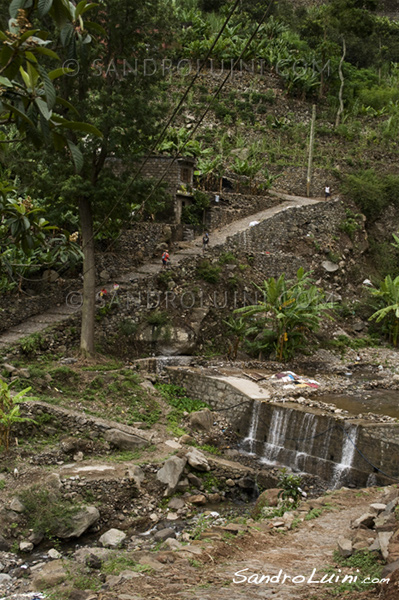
307,440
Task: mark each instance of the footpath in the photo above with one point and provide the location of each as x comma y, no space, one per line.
72,304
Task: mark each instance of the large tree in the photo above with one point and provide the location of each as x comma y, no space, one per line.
114,84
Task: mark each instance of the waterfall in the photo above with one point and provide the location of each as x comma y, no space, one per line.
348,451
308,430
277,433
250,440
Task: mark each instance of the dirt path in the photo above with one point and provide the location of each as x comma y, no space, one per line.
73,301
261,551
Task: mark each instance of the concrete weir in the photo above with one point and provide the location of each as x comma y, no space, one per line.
340,451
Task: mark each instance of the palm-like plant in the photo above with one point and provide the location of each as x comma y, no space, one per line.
388,293
286,315
9,412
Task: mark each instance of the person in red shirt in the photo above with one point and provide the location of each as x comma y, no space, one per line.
165,258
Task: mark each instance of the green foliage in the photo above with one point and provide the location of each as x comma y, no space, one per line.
313,514
158,318
372,192
208,272
388,295
290,485
285,316
46,510
32,344
351,224
227,258
193,214
177,398
366,565
10,412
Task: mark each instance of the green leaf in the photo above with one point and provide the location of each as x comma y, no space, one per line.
83,7
42,106
17,112
90,26
15,6
66,34
43,6
55,73
67,104
48,88
28,34
47,52
82,127
77,156
6,82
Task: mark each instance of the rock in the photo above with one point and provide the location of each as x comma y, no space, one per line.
53,481
390,590
36,537
80,522
51,574
377,508
201,420
136,473
54,554
385,522
124,441
78,457
329,266
24,373
172,444
9,368
94,562
171,472
197,460
82,553
389,568
176,503
16,505
26,546
164,534
344,547
197,499
5,579
230,483
383,538
173,544
186,439
4,544
195,481
50,275
365,520
112,538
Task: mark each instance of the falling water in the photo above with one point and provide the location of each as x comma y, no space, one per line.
249,441
277,433
307,438
348,452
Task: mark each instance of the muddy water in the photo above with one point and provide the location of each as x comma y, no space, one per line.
380,402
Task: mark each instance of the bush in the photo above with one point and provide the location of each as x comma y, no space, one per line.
208,272
372,192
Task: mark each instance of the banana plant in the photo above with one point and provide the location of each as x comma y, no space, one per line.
388,293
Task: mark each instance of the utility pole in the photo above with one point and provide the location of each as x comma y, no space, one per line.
311,145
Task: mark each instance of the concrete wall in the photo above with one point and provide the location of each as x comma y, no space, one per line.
341,452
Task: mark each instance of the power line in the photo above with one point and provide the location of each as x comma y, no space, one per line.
169,122
210,103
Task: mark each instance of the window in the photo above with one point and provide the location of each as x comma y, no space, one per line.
185,174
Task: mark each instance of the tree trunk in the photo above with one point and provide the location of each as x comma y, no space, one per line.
89,278
341,89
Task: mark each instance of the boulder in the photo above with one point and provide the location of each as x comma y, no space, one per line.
79,523
197,460
112,538
176,503
54,554
16,505
201,420
365,520
197,499
171,472
377,508
50,575
344,547
136,473
267,498
384,538
26,546
124,441
164,534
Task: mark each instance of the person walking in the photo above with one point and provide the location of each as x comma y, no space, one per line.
205,241
165,259
327,192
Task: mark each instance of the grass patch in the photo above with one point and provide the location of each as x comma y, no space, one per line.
47,511
177,398
362,565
